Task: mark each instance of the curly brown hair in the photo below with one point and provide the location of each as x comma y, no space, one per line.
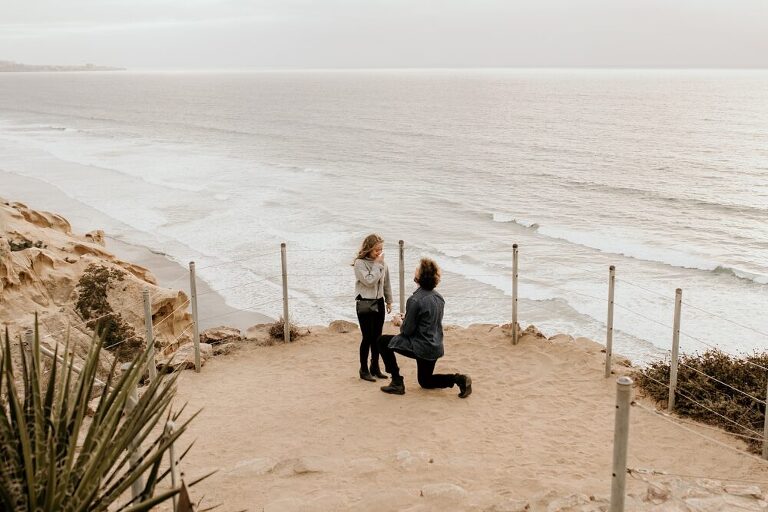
428,274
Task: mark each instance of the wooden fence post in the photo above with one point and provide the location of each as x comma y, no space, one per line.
675,350
151,365
195,316
137,487
620,439
609,324
514,293
286,319
402,276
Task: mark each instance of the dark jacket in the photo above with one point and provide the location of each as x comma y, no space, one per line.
422,329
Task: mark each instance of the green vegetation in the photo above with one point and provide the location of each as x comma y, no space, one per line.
731,410
118,336
52,458
22,244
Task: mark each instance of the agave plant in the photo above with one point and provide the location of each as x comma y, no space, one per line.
53,459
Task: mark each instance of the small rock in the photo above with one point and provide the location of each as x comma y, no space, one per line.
223,349
657,493
217,335
568,502
342,326
185,356
720,503
444,490
302,466
95,237
531,330
253,467
560,338
751,491
71,259
92,406
510,506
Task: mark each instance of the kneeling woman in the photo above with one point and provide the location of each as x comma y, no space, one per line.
421,337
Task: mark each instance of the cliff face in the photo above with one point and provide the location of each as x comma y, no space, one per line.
71,281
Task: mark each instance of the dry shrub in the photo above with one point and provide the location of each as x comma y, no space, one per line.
116,334
276,330
740,372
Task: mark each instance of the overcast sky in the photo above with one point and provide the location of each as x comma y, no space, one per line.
386,33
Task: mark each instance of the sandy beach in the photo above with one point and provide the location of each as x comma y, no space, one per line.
292,428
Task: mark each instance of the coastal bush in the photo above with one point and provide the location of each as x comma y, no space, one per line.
52,459
276,330
24,244
728,408
92,304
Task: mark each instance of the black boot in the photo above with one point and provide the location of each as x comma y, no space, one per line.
376,372
366,376
395,387
465,385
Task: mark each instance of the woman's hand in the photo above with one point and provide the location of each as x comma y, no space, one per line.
389,307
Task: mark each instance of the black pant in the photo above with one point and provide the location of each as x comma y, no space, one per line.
424,367
371,325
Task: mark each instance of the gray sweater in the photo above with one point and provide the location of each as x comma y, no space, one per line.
372,280
422,329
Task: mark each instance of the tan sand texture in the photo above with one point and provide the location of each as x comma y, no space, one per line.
292,428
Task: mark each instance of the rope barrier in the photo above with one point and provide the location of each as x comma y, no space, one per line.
169,315
704,406
633,472
715,347
630,283
699,434
217,290
723,383
641,315
242,310
726,319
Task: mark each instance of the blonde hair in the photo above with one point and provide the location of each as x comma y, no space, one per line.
367,246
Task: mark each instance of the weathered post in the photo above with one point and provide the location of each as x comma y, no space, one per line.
151,367
138,485
286,320
29,341
402,276
195,317
675,350
170,427
609,323
620,438
765,429
31,350
514,293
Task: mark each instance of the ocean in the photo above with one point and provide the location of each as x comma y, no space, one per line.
662,173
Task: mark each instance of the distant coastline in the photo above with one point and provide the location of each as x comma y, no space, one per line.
16,67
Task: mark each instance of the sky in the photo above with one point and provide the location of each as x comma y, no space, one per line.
214,34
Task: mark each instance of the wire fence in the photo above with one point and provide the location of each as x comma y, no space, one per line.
268,298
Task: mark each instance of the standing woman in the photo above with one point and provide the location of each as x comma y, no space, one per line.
372,289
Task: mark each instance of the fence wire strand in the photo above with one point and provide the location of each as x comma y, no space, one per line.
699,434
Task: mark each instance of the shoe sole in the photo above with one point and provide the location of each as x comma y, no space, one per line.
468,390
393,392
